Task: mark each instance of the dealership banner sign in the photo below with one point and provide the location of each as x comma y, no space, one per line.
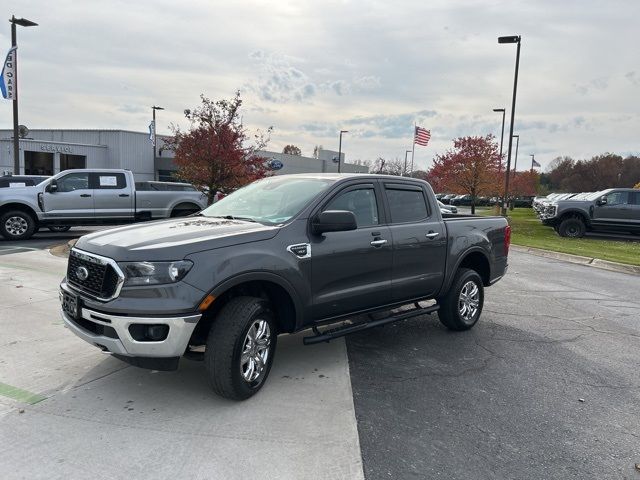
8,78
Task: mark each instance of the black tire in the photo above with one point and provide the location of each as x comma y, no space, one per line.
573,227
17,225
225,344
450,309
59,228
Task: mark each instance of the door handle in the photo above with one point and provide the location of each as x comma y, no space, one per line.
84,195
378,243
432,234
123,195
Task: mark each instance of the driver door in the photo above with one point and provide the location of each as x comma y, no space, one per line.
72,200
616,211
351,270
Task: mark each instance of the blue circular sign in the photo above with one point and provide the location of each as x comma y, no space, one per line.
275,164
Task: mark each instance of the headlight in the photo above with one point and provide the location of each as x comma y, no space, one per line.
154,273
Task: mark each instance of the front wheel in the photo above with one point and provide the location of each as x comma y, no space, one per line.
17,225
240,348
460,309
572,227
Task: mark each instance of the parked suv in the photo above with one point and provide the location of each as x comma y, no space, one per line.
614,210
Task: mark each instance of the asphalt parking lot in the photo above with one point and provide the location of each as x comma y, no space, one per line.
44,239
546,386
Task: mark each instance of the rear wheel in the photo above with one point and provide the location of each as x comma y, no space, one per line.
17,225
460,309
240,348
572,227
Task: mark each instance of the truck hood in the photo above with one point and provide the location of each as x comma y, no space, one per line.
173,239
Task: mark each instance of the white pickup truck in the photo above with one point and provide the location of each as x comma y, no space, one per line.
92,197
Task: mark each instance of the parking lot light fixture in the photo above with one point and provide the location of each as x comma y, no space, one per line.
23,22
497,110
517,40
340,150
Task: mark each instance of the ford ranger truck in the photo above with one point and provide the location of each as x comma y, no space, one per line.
281,255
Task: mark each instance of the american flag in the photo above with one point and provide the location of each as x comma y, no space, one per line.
422,136
534,163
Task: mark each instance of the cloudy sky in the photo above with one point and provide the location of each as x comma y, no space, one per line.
311,68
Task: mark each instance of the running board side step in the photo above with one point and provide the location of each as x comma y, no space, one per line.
341,331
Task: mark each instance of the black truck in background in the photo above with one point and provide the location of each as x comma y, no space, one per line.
281,255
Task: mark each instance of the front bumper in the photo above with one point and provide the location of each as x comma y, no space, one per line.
111,332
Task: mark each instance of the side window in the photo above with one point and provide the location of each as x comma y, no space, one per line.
406,205
109,181
73,181
362,202
634,198
617,198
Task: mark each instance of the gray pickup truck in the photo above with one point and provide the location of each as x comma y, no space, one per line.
91,197
612,210
280,255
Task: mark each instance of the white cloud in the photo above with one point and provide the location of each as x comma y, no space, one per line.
367,66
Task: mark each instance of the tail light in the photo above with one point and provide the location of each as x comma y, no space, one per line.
507,239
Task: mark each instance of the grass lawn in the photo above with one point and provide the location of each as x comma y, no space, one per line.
528,231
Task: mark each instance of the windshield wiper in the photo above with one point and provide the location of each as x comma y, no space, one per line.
232,217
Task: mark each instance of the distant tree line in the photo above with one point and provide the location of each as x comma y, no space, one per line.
565,174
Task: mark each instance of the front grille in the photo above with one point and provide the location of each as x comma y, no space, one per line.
96,328
101,279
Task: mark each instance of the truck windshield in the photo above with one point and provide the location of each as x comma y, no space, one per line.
272,200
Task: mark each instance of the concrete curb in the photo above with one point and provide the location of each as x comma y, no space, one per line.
63,249
592,262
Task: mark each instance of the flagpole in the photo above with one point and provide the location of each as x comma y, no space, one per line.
413,148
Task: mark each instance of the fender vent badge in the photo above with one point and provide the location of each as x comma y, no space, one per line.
300,250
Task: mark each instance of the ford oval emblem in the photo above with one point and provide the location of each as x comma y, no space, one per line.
82,273
275,164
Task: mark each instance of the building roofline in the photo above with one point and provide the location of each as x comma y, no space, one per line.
34,140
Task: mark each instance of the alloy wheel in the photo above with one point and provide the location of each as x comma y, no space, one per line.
468,301
16,226
255,350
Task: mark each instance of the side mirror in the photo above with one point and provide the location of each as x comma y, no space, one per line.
334,221
52,187
602,200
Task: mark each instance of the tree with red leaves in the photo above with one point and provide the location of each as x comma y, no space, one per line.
214,153
524,183
472,167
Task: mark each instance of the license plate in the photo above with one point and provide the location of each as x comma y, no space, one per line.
70,304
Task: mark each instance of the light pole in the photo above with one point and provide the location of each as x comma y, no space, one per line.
340,150
501,135
404,173
515,163
23,22
153,109
511,39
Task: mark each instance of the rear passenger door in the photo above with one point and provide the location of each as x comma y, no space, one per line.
419,243
113,198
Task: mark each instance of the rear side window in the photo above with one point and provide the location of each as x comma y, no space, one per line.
108,181
406,205
634,198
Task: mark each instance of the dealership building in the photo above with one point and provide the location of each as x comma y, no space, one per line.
47,152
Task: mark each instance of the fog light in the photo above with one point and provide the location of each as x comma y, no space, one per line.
157,332
148,333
